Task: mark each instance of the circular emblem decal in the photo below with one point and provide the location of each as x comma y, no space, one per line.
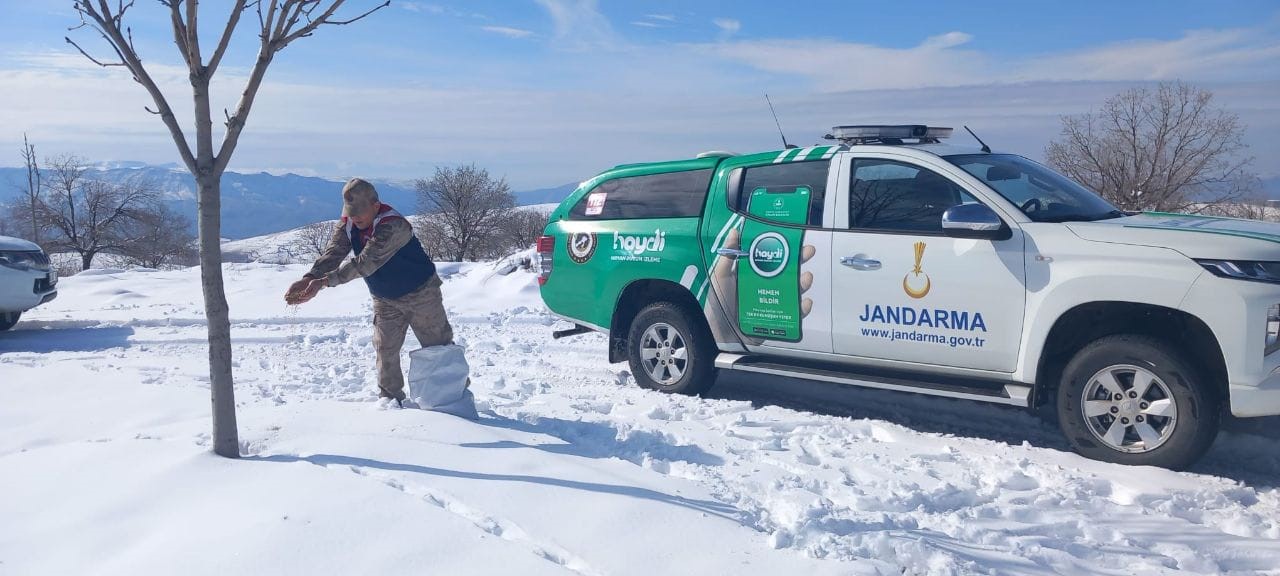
581,246
769,253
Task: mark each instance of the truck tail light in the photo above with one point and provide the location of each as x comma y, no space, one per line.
546,246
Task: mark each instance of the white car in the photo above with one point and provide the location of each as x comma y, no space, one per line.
891,260
26,279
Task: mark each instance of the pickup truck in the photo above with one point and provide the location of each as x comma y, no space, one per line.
892,260
26,279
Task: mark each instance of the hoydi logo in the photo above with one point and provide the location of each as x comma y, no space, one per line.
640,244
912,279
768,254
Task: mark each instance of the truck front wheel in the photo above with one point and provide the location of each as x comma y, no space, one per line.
1131,400
670,350
8,319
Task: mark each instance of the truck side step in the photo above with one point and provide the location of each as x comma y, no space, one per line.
997,392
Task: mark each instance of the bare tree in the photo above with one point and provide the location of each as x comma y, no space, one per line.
469,207
522,227
90,216
433,235
312,239
30,206
280,22
1165,149
163,238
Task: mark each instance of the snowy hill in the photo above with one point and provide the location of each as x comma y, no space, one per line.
572,469
262,203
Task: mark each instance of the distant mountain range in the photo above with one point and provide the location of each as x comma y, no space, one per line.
262,203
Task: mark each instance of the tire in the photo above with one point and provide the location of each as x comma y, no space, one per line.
670,350
8,319
1170,424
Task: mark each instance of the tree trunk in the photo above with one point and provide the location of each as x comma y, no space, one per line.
86,260
226,441
35,225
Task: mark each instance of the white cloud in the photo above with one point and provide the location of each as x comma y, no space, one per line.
834,66
438,9
636,105
948,40
945,60
728,25
508,31
1204,54
404,131
422,7
656,21
580,25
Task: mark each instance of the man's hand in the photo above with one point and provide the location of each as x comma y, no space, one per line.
724,274
303,290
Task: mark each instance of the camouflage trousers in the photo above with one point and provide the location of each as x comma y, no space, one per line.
423,311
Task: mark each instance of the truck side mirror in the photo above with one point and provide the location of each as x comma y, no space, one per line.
974,221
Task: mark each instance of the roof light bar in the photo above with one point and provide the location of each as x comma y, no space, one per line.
888,133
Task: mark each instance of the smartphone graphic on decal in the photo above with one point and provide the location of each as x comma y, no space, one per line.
769,275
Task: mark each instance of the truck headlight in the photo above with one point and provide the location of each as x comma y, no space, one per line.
1273,329
1244,269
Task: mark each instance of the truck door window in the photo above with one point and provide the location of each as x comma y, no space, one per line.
786,178
667,195
899,197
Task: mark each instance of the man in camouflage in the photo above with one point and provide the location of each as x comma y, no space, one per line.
401,277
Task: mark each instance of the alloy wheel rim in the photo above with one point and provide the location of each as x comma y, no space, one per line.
1129,409
663,354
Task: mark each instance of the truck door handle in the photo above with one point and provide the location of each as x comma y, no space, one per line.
860,263
731,252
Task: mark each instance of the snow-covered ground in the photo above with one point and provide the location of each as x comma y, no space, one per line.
572,469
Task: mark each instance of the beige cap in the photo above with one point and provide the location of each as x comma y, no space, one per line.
357,196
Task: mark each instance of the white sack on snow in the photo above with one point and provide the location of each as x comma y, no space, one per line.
438,380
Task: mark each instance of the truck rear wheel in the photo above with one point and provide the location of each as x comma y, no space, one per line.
1131,400
670,350
8,319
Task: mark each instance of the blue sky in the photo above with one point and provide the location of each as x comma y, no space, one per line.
552,91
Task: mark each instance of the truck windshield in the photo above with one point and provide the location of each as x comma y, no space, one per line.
1042,194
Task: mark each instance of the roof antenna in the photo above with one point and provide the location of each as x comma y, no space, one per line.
775,121
985,148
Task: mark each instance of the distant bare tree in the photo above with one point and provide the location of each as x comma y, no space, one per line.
432,234
312,239
163,238
28,208
89,216
280,22
6,216
1166,149
522,227
1253,207
467,208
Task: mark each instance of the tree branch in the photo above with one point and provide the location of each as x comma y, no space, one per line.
371,11
91,58
109,26
325,19
180,31
232,22
196,61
